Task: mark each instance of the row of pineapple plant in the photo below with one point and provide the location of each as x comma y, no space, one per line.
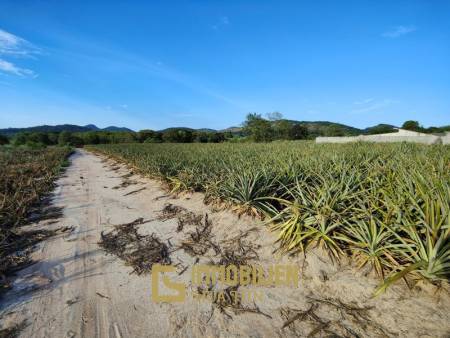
386,205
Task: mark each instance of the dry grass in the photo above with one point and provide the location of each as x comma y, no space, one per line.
27,177
342,320
138,251
13,331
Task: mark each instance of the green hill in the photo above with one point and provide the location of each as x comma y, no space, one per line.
59,128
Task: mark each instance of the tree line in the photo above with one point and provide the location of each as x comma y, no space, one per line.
274,127
255,128
78,139
415,126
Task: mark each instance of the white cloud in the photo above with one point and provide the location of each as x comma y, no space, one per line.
398,31
11,44
11,68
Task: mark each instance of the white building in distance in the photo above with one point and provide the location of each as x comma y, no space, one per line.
402,135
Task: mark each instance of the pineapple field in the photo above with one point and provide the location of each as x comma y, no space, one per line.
366,226
385,205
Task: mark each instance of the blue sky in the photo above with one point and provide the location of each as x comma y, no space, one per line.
155,64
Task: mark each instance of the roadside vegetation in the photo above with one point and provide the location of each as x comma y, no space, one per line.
27,176
256,128
386,205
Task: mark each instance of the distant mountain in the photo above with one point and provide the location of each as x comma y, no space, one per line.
206,130
201,130
315,128
233,130
92,127
320,128
113,128
380,129
44,128
175,128
59,128
326,128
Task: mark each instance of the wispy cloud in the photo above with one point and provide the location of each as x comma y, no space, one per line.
163,71
223,21
11,68
370,105
399,31
13,46
105,56
126,60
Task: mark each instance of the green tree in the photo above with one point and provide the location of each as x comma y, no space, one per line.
20,139
76,141
381,129
90,137
178,136
259,129
334,130
53,138
274,116
64,138
156,139
281,129
412,125
200,137
297,132
67,138
121,137
39,137
3,140
216,137
145,134
228,135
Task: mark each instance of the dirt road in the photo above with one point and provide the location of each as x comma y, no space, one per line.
77,290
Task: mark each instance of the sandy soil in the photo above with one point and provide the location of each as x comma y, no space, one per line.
76,290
